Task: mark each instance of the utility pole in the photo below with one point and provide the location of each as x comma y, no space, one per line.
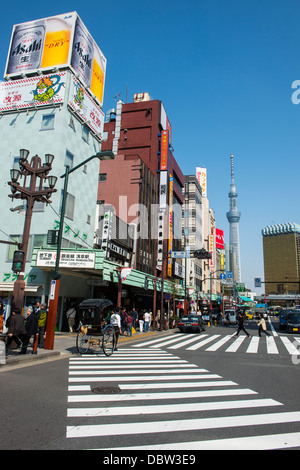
32,171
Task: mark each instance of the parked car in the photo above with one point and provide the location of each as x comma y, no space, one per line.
190,323
273,311
293,321
283,317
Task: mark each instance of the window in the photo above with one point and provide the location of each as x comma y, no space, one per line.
72,124
69,158
102,177
85,133
35,241
47,122
13,248
88,220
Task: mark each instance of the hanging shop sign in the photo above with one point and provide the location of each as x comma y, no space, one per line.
67,259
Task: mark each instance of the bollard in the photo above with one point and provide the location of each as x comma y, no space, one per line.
35,344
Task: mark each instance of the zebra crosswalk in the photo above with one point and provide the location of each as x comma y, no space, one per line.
152,399
280,345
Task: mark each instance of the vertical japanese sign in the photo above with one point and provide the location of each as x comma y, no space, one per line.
201,177
170,242
164,151
211,249
219,239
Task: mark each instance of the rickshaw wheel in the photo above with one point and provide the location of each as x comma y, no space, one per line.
82,342
108,341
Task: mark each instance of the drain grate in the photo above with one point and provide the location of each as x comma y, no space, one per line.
106,390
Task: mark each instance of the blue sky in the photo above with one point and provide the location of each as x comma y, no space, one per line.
224,71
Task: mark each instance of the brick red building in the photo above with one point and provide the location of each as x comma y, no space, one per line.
133,133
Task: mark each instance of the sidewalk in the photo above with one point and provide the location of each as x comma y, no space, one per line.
65,345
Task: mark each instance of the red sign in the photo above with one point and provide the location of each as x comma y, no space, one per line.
164,151
219,239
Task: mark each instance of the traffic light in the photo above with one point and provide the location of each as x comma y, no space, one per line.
202,254
18,261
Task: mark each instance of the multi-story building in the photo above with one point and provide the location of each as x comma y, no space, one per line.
46,108
135,184
192,230
281,248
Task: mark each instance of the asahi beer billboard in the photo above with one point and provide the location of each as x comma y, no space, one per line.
56,43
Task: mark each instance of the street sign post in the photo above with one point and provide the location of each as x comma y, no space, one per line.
257,282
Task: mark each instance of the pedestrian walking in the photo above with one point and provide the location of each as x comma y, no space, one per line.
241,327
262,327
124,316
71,313
115,321
37,308
2,312
31,326
134,315
129,325
141,320
42,322
146,321
16,328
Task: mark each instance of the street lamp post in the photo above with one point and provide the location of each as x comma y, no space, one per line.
52,312
28,190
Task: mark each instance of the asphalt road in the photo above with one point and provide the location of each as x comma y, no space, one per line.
174,394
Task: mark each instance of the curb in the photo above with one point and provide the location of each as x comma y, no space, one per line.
44,355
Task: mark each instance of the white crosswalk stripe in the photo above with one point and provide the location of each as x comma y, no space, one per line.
168,403
274,344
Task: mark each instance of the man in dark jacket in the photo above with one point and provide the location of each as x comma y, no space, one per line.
16,328
31,327
241,320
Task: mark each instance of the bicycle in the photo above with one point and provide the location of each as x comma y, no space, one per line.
93,336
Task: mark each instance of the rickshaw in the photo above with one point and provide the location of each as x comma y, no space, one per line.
94,334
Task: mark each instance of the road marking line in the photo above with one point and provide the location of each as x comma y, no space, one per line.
264,442
202,343
160,396
171,408
181,425
219,343
253,346
234,347
271,345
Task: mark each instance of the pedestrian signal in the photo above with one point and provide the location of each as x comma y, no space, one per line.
18,261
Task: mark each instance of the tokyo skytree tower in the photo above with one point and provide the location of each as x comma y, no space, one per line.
233,217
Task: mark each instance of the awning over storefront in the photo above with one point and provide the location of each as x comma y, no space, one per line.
246,299
9,287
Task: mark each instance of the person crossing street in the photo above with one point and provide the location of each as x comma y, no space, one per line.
241,327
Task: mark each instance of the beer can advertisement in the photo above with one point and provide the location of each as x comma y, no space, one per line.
57,42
